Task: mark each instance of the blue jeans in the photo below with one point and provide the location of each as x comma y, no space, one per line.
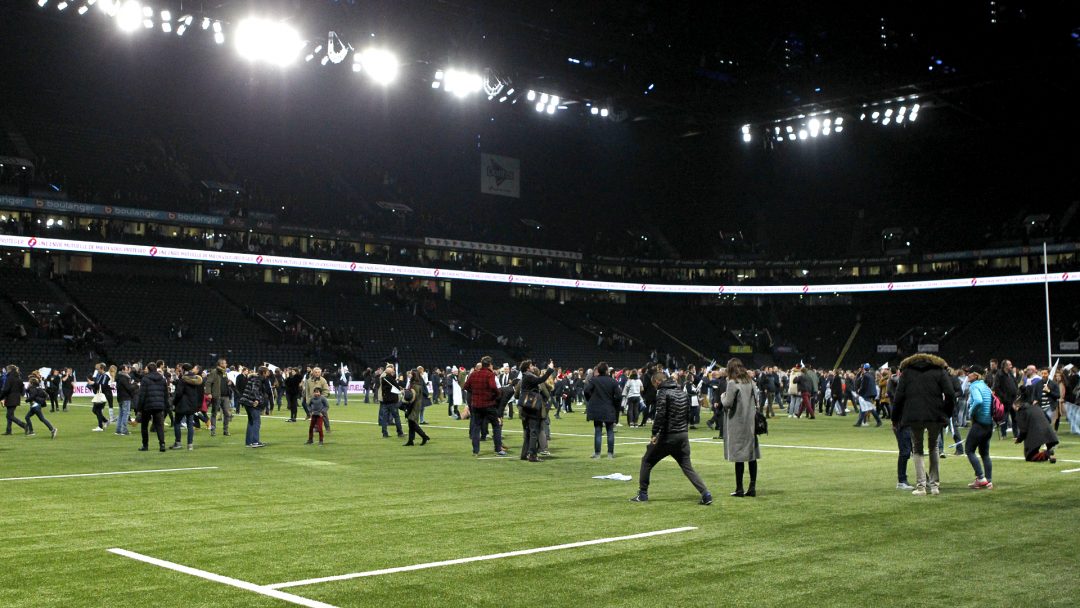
342,392
122,420
388,412
251,437
35,410
598,427
903,443
1073,411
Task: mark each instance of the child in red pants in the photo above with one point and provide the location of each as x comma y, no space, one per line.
319,407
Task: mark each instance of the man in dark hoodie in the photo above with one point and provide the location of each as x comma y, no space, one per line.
669,437
153,394
924,401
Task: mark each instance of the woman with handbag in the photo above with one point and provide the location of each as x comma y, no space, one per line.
98,385
740,438
413,399
531,405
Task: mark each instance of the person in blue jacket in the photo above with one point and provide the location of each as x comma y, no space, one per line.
980,400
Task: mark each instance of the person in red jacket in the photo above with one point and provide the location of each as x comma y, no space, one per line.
483,401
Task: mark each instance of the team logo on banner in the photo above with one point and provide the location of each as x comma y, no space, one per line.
500,175
153,251
31,243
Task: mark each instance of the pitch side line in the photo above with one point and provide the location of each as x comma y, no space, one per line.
1070,470
107,474
224,580
480,558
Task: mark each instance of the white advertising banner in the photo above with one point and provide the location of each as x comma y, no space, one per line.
200,255
500,175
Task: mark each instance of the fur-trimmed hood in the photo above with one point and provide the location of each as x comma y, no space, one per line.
923,361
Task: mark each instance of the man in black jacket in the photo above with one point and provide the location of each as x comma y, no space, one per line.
924,401
153,394
1004,386
125,395
669,437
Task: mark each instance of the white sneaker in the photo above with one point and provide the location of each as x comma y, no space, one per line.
934,491
919,491
611,456
97,429
904,486
595,455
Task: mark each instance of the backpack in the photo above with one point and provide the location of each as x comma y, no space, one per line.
997,409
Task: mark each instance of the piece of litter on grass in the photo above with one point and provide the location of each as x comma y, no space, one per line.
614,476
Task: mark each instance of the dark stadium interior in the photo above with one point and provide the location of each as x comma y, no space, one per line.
667,185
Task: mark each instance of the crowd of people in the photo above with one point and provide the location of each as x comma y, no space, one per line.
926,401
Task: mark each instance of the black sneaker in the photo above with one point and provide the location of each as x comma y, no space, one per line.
706,498
641,497
144,449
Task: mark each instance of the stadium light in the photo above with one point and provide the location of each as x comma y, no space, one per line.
264,40
531,96
129,16
381,65
42,3
61,6
461,83
603,112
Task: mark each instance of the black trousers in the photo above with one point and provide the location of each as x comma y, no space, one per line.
53,402
11,418
157,418
414,430
291,400
67,400
678,447
533,426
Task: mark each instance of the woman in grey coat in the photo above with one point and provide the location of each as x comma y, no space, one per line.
740,442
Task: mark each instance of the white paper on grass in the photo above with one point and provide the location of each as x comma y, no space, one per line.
614,477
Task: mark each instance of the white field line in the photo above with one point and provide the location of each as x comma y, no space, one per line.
106,474
1070,470
867,451
480,558
224,580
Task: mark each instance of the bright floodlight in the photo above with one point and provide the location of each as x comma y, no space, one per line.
380,65
815,126
839,120
61,6
544,98
531,96
603,113
551,109
539,106
745,129
264,40
803,134
746,137
129,16
462,83
594,110
42,3
886,121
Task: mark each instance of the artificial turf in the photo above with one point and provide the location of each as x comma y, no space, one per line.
827,528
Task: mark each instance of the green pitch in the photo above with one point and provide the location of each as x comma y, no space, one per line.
827,529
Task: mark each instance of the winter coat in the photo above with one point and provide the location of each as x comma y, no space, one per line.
416,406
1034,429
215,380
314,383
253,395
13,390
189,394
672,410
740,442
604,399
125,388
153,393
925,391
319,406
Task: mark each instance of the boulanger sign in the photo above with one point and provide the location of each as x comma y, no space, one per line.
199,255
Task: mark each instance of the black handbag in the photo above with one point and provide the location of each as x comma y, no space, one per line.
532,403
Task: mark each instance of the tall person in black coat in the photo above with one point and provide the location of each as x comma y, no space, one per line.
603,403
11,395
153,395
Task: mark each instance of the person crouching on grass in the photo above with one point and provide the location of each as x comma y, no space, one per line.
1034,431
318,406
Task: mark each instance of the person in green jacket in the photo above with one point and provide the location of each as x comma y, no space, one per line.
215,380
